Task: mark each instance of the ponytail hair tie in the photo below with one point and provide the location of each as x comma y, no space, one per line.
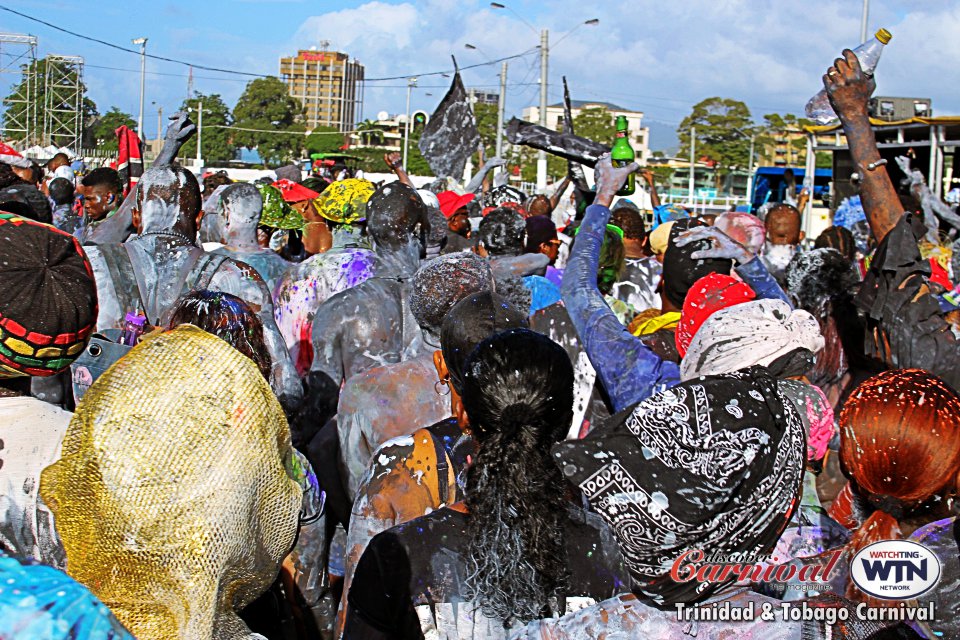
515,415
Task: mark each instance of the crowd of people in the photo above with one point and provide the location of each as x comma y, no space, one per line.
319,407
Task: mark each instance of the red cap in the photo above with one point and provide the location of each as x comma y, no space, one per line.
451,202
294,192
709,294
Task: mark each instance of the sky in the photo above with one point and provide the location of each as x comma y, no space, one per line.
649,55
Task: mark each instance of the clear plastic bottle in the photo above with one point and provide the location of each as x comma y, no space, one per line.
133,327
818,107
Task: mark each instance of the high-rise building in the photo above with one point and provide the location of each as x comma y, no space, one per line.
329,84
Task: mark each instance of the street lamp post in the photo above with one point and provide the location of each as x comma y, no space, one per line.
501,100
544,61
199,111
864,17
501,107
544,67
692,179
750,170
411,83
143,75
200,134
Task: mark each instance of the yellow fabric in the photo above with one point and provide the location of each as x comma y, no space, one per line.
659,237
172,495
667,320
345,201
946,120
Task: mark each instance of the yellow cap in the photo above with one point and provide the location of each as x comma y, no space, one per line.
883,36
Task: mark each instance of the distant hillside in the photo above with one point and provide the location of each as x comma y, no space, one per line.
663,136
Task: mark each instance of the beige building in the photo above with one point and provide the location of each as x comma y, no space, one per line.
788,149
328,84
639,135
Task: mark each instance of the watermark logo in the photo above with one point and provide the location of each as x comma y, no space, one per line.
895,569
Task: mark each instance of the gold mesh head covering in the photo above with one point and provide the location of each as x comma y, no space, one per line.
172,495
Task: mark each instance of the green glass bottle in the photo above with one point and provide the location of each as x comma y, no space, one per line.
622,154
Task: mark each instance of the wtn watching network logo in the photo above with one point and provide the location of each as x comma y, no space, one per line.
895,569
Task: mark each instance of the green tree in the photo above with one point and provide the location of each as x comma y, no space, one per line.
371,133
103,130
324,140
597,124
486,115
723,128
218,143
24,101
778,129
268,109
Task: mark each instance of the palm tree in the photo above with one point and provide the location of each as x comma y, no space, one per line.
371,134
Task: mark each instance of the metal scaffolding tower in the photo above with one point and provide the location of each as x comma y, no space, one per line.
18,56
63,102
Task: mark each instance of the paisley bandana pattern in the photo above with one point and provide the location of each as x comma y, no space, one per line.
714,465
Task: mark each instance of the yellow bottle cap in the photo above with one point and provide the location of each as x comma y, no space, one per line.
883,36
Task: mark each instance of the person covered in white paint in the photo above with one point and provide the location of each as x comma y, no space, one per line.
371,324
240,207
412,475
515,549
152,270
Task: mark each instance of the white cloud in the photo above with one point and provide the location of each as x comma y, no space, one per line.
660,57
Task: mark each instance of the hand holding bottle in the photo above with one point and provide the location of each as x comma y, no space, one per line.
610,179
819,108
847,86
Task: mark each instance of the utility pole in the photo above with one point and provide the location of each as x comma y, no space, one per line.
750,174
199,134
542,155
501,107
143,77
693,145
864,17
159,128
411,83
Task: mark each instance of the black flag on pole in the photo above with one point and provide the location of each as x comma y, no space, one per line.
451,135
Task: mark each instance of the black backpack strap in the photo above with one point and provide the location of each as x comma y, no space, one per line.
443,469
202,272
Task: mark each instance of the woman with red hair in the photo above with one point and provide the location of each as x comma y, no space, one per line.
900,447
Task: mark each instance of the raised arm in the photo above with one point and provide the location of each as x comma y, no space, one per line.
648,177
477,181
118,227
627,368
395,162
558,192
180,130
849,90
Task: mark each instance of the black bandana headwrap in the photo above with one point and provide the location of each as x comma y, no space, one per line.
714,464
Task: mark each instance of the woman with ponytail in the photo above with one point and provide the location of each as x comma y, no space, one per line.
900,448
515,550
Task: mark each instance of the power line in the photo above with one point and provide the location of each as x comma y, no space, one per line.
449,71
245,73
133,51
